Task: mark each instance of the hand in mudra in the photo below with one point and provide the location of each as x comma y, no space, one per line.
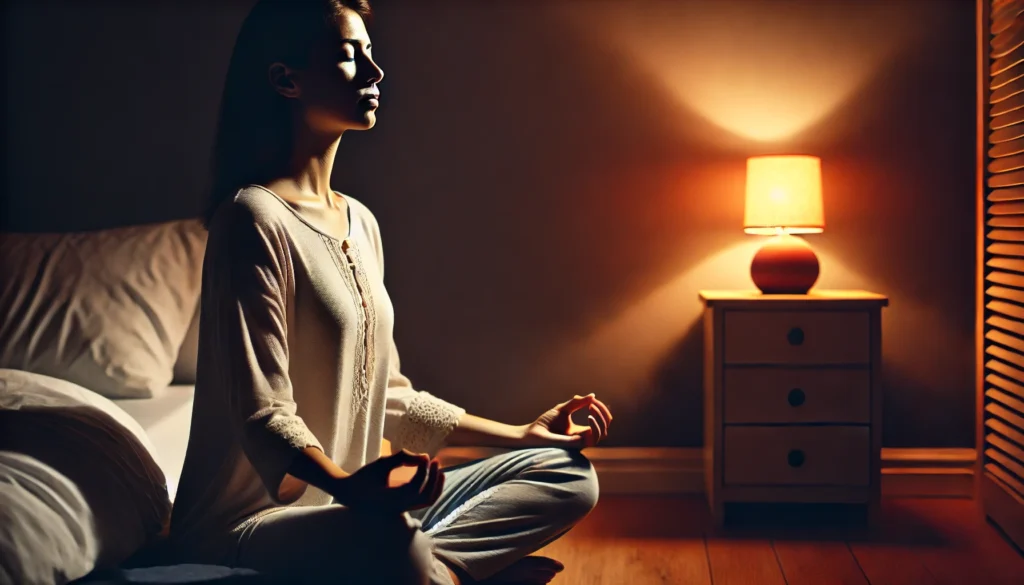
369,488
556,427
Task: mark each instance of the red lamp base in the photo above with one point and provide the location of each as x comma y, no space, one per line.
785,264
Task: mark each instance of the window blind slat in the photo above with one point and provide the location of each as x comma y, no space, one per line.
1009,89
1005,384
1006,179
1006,264
1005,147
1009,163
1015,359
1006,221
1006,235
1008,309
1007,62
1006,415
1007,134
1006,208
1005,105
1006,249
1005,430
1010,75
1007,120
1012,402
1011,194
1006,324
1005,339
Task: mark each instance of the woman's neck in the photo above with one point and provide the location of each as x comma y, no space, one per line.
312,162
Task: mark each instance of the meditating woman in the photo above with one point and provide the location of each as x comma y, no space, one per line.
298,375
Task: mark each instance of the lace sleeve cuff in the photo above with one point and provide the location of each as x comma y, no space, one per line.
272,445
427,423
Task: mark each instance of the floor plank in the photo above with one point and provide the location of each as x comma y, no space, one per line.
818,563
743,562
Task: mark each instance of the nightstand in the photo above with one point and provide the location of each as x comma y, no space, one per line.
792,402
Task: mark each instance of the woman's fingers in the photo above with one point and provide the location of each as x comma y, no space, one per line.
436,485
604,410
428,495
596,413
576,403
595,430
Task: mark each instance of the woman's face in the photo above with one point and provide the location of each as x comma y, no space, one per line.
337,90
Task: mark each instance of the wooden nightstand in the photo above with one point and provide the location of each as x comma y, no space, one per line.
792,402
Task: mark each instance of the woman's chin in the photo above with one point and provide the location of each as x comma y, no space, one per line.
367,120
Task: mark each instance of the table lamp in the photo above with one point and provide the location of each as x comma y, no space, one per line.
783,198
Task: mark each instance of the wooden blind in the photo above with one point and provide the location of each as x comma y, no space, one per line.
1001,399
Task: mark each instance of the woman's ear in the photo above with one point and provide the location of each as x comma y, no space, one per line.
282,79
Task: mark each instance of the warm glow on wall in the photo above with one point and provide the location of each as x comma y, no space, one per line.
762,71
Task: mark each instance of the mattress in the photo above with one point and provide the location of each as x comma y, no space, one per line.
166,418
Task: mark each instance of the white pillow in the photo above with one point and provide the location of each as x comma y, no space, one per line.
98,447
105,309
47,533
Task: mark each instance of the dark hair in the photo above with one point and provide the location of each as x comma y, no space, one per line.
254,128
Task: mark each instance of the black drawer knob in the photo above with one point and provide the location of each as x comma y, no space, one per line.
795,458
796,397
795,336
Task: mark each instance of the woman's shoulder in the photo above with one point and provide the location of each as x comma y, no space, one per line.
252,208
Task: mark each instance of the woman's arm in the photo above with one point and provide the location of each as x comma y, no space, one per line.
476,431
311,466
554,428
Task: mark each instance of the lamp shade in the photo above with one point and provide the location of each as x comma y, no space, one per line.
783,195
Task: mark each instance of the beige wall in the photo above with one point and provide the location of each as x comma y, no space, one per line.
556,184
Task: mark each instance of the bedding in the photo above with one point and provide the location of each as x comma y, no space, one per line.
106,309
42,510
83,438
166,419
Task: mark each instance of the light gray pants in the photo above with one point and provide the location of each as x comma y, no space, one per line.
491,513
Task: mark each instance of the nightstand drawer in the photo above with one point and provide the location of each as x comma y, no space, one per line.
784,395
797,337
797,455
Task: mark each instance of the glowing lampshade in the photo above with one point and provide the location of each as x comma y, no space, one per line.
784,198
784,195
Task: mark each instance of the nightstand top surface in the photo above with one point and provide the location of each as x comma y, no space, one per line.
814,296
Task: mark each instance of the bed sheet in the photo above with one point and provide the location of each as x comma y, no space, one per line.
167,419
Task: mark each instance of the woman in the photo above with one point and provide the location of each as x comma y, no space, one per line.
298,376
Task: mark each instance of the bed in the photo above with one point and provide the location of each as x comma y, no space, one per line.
166,418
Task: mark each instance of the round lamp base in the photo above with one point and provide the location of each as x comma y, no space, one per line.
785,264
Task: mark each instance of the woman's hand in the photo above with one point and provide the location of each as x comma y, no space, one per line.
368,489
556,427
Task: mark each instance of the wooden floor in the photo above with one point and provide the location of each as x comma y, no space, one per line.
642,541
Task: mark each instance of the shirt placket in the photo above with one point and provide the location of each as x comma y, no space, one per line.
346,249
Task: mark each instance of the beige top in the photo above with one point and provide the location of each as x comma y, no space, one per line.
291,357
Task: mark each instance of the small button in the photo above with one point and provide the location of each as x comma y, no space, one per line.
796,397
795,458
795,336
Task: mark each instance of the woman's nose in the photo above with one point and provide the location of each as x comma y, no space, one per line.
376,74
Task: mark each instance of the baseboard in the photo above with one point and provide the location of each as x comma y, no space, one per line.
680,471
